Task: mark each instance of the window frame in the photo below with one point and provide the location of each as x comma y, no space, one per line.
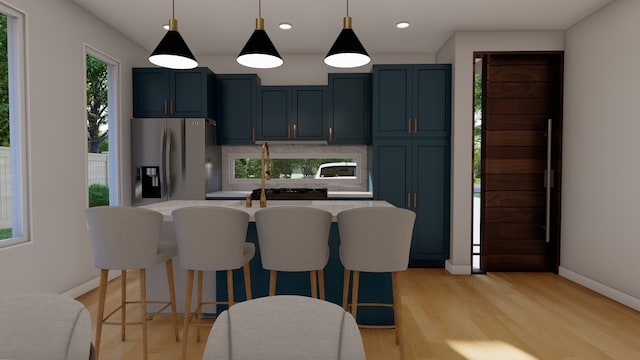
18,119
113,96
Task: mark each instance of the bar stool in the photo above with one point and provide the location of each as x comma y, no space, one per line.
211,239
294,238
127,238
375,239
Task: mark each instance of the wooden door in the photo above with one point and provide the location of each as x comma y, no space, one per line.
521,92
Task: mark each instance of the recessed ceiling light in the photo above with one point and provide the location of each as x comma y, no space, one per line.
402,24
285,26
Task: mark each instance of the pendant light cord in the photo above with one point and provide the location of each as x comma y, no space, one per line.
173,9
347,8
259,8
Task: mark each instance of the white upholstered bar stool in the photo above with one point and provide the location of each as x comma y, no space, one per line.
127,238
211,239
285,327
294,239
375,239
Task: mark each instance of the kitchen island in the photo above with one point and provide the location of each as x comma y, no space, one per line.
373,287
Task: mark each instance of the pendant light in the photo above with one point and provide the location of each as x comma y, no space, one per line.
172,52
259,51
347,51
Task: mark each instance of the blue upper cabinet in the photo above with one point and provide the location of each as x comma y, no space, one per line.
410,100
350,108
237,105
288,113
159,92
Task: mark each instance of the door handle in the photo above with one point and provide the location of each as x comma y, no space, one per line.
330,135
415,200
164,106
171,107
415,125
548,179
288,131
409,126
253,135
295,131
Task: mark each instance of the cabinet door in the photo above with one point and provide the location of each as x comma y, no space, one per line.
150,89
189,93
392,100
309,113
273,121
391,172
431,99
350,108
236,104
430,200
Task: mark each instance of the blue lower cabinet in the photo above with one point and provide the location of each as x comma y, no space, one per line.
374,287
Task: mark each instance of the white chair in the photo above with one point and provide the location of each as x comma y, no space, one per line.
211,239
375,239
285,327
127,238
44,326
294,238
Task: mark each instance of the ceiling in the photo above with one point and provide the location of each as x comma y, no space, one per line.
222,27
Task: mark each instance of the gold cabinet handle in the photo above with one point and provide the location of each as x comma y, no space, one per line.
409,126
288,131
415,200
164,105
330,134
171,107
295,131
408,200
253,134
415,125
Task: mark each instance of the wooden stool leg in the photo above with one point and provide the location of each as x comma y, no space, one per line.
313,278
272,282
199,306
172,296
321,283
345,290
397,312
247,281
187,313
230,287
143,309
102,295
123,303
354,294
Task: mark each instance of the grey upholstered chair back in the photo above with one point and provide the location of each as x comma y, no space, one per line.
375,239
44,326
211,238
293,238
124,237
285,327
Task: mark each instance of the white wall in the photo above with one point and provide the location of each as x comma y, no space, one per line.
58,257
459,50
600,233
305,69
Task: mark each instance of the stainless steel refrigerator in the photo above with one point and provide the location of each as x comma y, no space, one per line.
173,159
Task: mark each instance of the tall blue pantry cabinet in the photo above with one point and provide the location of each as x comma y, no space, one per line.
411,130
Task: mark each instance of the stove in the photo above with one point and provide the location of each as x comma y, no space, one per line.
291,194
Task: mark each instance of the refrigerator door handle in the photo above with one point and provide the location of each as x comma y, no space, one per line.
163,178
167,162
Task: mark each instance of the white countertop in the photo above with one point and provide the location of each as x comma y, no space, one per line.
237,194
333,206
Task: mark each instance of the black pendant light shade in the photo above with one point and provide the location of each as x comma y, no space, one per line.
259,52
347,51
172,52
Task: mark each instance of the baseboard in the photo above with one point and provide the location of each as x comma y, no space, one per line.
457,269
88,286
600,288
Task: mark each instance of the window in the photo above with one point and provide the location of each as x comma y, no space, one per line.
296,169
102,171
13,169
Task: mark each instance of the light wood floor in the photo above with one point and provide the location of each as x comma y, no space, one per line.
453,317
